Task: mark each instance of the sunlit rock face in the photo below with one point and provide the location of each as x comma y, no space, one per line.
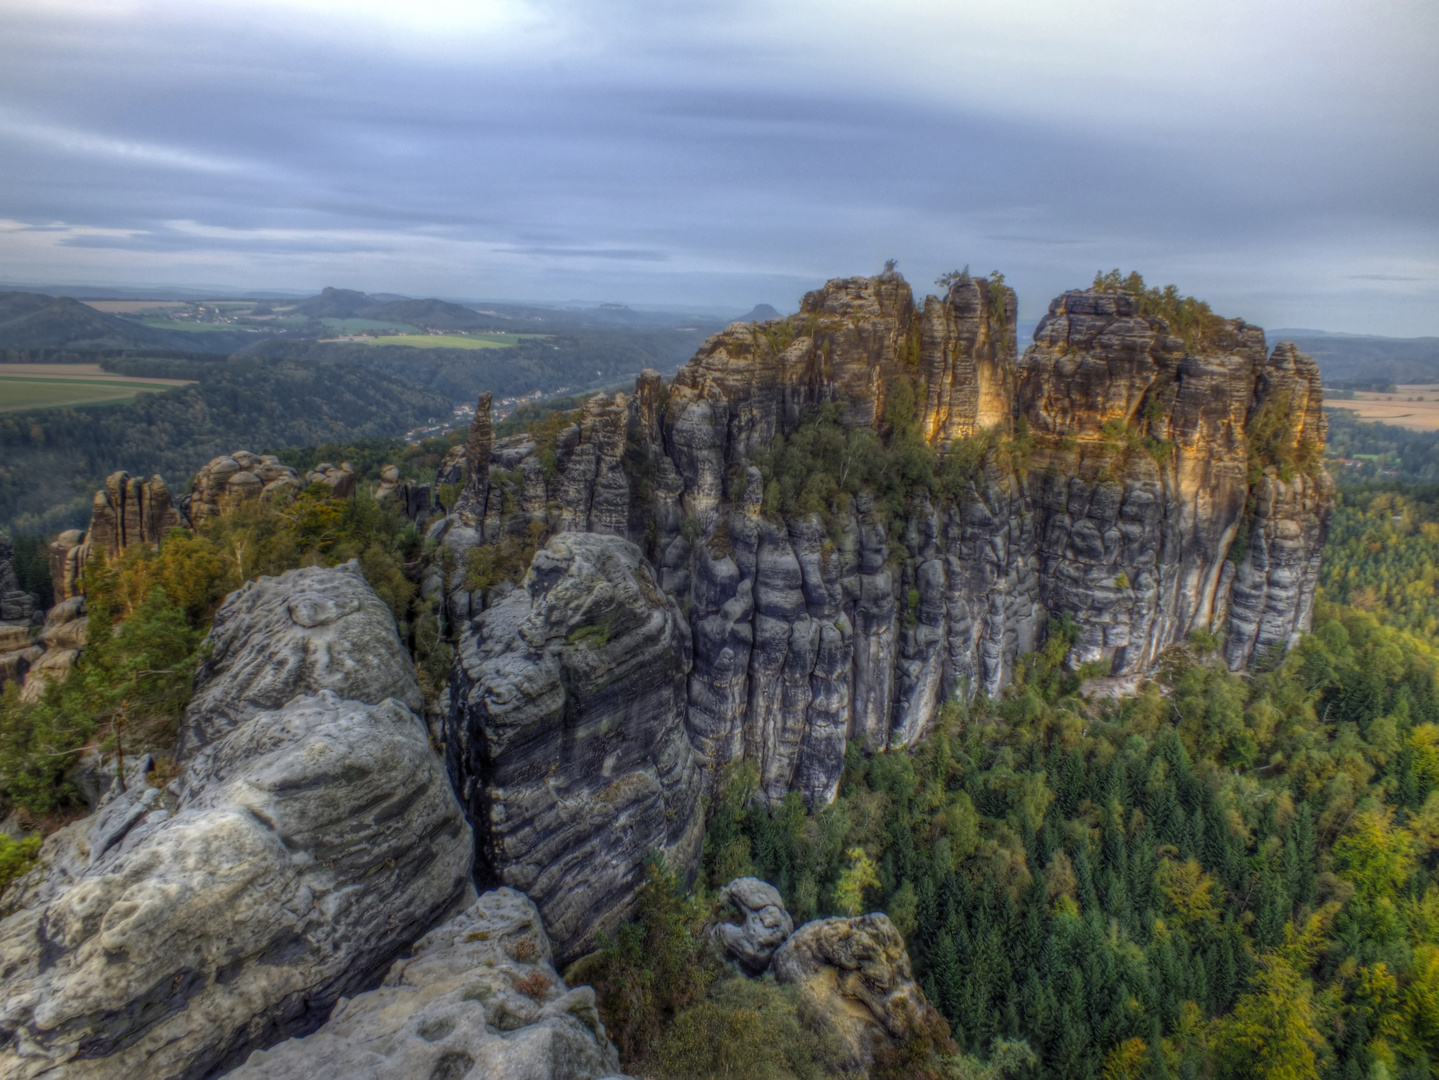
1144,483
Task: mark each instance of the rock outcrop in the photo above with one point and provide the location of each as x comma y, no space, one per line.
60,641
763,923
126,511
303,846
18,648
341,478
566,738
857,975
231,479
304,632
475,997
1144,486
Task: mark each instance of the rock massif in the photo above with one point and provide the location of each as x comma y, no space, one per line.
475,997
18,633
567,735
1146,487
1145,484
305,843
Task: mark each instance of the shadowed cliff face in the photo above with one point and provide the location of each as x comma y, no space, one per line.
1144,487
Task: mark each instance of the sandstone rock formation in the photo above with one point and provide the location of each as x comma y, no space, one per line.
1146,487
18,649
231,479
126,511
475,997
763,923
855,973
413,498
61,639
304,632
340,479
566,738
303,846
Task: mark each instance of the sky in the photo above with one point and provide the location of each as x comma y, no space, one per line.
1279,158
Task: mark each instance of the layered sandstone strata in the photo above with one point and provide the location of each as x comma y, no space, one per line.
1144,487
306,842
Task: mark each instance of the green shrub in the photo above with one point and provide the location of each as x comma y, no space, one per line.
16,858
747,1028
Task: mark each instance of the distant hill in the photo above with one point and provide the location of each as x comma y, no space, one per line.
760,313
35,321
429,314
1359,358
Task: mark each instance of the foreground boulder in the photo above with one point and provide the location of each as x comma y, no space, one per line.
566,737
855,973
303,632
763,923
476,997
300,850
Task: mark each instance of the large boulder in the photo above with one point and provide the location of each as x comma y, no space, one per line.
566,738
857,975
225,482
303,632
476,997
763,923
172,933
303,846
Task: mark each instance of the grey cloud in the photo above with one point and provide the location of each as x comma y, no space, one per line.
674,167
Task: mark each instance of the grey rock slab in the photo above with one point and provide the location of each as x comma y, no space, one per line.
168,935
476,997
567,739
764,923
302,632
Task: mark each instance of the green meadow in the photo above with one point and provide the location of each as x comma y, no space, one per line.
452,341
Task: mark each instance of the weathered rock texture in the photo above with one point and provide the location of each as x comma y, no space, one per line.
341,479
1145,487
18,648
302,847
225,482
127,511
303,632
476,997
130,511
567,736
856,974
60,641
763,923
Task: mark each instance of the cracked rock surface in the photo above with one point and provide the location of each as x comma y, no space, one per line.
300,849
478,996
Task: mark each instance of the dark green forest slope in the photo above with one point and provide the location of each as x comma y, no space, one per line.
52,460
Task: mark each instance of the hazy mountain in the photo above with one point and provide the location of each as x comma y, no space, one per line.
1365,358
33,321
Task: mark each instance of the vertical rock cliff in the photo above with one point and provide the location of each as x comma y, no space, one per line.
1145,482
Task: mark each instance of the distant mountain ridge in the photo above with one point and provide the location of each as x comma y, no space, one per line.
1367,358
433,314
36,321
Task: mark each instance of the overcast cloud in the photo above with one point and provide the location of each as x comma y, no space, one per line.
1278,158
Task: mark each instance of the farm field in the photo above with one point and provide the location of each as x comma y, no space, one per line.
1411,406
130,307
450,341
46,386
